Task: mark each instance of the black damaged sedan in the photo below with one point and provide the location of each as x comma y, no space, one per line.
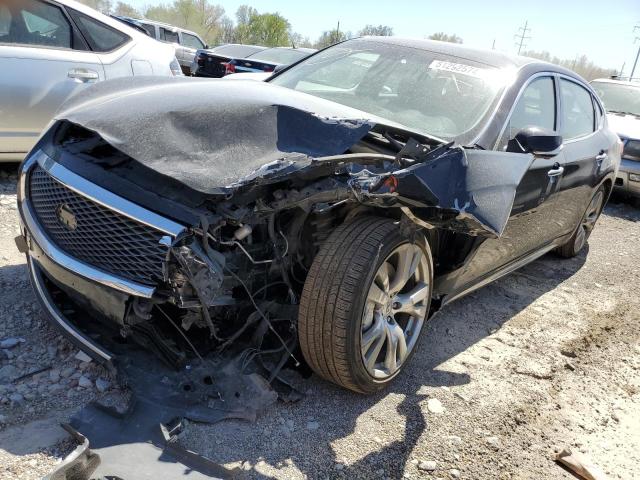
322,216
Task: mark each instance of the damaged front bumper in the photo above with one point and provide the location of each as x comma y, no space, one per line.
95,289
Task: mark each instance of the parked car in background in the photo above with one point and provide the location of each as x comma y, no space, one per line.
185,42
212,62
335,207
132,22
622,102
50,50
267,60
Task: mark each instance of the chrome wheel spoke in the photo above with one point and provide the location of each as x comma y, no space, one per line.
375,332
396,349
377,295
408,259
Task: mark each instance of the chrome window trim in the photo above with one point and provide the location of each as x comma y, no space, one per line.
562,76
558,105
104,197
54,312
517,99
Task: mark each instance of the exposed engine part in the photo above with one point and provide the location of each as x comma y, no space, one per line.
242,233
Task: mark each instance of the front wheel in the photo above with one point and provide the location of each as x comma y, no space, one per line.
579,239
364,303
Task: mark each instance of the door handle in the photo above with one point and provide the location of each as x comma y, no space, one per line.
602,156
555,172
83,74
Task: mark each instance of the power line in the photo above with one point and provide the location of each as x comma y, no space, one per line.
521,36
633,70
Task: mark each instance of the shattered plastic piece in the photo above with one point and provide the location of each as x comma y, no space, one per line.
82,357
79,464
577,465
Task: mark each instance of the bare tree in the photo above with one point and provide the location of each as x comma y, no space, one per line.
103,6
580,64
377,31
444,37
126,10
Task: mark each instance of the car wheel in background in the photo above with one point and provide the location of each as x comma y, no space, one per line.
579,239
364,304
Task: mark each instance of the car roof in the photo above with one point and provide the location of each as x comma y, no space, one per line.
492,58
298,49
617,81
163,24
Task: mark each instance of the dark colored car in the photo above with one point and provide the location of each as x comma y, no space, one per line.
212,62
324,215
267,60
622,101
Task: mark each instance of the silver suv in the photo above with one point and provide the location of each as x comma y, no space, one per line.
185,42
50,50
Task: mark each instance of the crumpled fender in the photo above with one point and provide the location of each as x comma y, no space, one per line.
464,190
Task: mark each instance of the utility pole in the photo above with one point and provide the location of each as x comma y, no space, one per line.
337,39
494,44
633,70
521,36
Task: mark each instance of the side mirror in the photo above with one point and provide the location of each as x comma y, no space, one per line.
539,141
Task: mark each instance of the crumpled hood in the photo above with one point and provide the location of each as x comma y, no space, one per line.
213,133
627,126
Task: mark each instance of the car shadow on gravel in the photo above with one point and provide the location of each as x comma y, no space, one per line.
327,419
623,207
337,412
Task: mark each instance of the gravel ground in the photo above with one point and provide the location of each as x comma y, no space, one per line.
545,358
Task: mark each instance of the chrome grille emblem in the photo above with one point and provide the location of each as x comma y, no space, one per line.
66,217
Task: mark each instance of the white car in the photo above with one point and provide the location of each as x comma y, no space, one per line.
49,50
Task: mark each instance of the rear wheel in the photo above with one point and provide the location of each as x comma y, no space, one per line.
364,304
579,239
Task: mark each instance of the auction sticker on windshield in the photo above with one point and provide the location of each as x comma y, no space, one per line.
458,68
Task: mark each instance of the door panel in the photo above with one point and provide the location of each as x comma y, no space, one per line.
531,225
33,84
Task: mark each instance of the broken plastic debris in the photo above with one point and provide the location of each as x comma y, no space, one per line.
577,465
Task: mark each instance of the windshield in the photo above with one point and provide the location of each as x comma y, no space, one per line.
447,97
279,55
619,97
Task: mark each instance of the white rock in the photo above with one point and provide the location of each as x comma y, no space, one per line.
54,375
427,465
313,425
8,373
85,382
454,473
102,385
11,342
434,406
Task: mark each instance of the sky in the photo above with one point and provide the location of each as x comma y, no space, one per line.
600,29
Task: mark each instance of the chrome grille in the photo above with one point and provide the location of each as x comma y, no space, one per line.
95,234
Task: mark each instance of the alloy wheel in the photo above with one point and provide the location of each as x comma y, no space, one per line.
589,221
395,311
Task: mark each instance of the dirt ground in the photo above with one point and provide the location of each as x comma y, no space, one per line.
546,358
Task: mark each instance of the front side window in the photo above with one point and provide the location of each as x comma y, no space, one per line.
445,96
577,110
536,107
101,37
32,22
191,41
168,35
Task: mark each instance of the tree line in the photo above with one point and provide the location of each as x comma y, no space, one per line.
271,29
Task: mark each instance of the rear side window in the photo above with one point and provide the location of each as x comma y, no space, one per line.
31,22
168,36
536,107
577,110
5,22
101,37
191,41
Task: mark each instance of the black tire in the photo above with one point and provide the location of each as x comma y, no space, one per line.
334,297
580,237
